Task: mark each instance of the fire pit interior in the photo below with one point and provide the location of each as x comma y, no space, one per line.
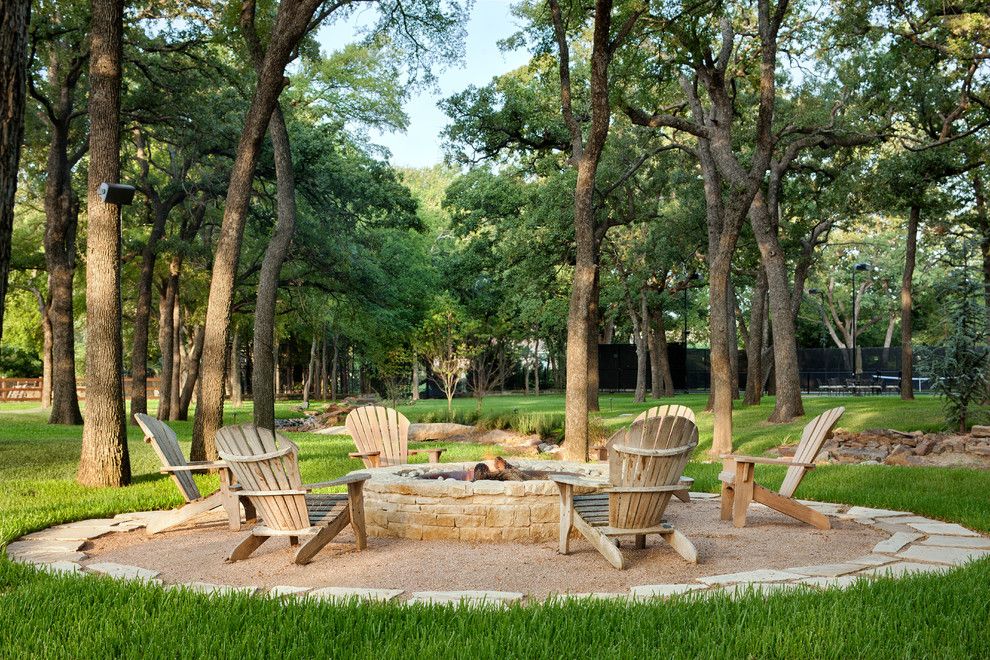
464,501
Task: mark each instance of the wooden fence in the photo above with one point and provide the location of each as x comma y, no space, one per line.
29,389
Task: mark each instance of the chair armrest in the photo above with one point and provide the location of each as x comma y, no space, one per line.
349,479
364,454
434,453
570,480
767,461
197,465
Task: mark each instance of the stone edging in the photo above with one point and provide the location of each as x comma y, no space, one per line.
916,545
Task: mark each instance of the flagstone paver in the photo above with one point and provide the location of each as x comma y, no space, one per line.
282,591
902,568
943,555
46,546
959,541
896,542
466,597
352,593
60,567
867,512
47,557
761,575
827,570
217,589
762,588
943,529
663,590
838,582
872,560
123,571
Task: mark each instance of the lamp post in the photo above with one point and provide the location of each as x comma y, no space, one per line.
693,277
862,266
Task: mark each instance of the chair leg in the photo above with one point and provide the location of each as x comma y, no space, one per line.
640,543
246,547
683,496
293,541
727,496
185,513
324,536
355,498
743,495
602,543
230,501
682,545
790,507
566,517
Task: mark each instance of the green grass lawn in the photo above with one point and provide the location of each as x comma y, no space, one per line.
49,616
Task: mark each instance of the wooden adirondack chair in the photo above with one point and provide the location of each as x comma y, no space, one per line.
657,412
165,443
645,467
266,465
664,411
382,437
739,487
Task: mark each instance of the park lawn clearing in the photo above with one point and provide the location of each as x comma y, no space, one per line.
74,616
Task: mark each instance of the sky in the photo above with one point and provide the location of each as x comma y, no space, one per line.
420,146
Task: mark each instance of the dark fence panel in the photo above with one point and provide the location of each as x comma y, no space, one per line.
821,369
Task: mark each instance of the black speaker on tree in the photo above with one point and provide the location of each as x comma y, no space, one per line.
120,194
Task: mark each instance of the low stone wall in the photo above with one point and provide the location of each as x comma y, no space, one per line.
399,504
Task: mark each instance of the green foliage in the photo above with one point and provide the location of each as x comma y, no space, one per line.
961,369
19,363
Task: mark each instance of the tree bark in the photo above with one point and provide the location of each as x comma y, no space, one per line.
639,324
754,342
536,367
175,391
46,351
662,383
291,23
787,377
104,460
166,340
733,340
335,360
262,383
15,15
194,363
907,277
61,224
310,371
593,323
236,377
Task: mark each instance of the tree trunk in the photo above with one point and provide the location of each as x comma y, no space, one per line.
733,341
15,15
291,22
166,340
907,277
262,384
321,381
536,367
720,360
194,363
310,371
175,391
639,324
46,351
593,403
236,378
104,460
754,343
662,383
787,380
61,223
142,316
335,360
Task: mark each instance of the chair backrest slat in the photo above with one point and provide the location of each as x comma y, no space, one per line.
629,468
381,429
672,410
243,448
814,436
166,444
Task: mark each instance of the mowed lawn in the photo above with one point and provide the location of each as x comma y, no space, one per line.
49,616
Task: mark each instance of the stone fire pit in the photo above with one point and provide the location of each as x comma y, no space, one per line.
400,503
